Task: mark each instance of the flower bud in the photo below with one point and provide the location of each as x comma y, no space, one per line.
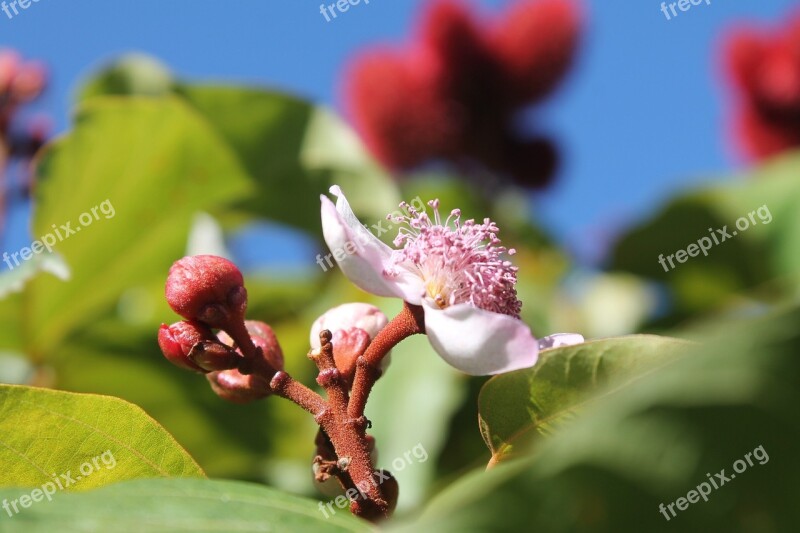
233,386
208,289
389,488
263,337
352,326
346,316
348,346
176,342
213,355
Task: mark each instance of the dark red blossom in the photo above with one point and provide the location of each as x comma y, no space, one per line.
764,67
455,93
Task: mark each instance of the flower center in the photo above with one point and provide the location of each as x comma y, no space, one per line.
459,262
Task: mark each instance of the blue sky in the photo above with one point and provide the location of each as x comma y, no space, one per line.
641,116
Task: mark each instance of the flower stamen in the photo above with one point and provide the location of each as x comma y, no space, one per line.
459,262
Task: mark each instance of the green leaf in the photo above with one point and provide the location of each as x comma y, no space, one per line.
132,74
294,151
173,505
134,172
120,360
763,248
291,148
515,408
734,394
46,433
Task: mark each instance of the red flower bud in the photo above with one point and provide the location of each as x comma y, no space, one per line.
208,289
271,353
176,342
213,355
233,386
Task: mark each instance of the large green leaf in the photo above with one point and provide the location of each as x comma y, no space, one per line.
734,394
294,151
764,247
124,361
45,433
518,406
173,505
145,166
132,74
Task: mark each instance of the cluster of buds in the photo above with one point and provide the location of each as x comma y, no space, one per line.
208,292
764,67
456,93
244,362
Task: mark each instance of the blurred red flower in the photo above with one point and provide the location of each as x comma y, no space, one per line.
763,66
455,92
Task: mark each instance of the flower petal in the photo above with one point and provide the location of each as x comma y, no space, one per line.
363,257
365,265
479,342
557,340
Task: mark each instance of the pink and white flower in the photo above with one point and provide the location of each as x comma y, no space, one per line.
457,271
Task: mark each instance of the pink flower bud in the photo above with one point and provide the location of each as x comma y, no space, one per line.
176,342
348,346
347,316
353,327
208,289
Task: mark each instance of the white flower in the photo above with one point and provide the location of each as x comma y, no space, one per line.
457,271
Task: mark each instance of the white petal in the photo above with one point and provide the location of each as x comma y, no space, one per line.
365,265
370,257
557,340
362,235
480,342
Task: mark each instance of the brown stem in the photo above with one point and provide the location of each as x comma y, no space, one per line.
330,378
285,386
341,417
348,438
408,322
